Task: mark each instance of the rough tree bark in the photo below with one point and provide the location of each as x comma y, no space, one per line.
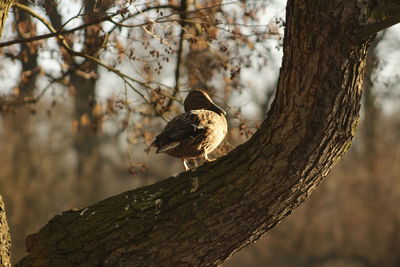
5,239
4,7
202,216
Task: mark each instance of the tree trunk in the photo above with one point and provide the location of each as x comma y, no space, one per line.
18,127
202,216
5,239
4,7
84,81
86,135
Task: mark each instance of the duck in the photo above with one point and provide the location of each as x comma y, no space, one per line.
196,132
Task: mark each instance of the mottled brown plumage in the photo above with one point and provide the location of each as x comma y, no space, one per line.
195,133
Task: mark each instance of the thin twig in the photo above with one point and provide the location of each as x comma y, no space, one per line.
124,76
179,56
145,99
32,100
62,31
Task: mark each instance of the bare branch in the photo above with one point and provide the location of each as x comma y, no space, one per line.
179,55
180,47
5,104
62,31
126,78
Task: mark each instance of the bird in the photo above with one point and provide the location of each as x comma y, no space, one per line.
194,133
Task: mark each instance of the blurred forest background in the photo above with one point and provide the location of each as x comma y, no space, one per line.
77,112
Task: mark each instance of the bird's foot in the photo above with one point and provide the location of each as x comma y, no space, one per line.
185,165
207,159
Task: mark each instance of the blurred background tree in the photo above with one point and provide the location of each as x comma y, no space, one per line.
83,107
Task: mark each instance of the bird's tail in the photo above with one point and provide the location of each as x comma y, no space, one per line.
151,146
162,145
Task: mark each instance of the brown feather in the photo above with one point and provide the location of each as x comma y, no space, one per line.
195,133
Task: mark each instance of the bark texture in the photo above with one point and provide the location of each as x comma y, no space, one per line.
4,7
201,217
5,239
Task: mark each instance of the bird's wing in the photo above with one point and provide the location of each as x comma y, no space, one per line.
186,125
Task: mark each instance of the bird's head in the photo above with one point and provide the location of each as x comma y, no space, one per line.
199,99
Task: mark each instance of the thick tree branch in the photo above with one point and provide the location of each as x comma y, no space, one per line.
202,216
366,31
5,239
381,15
4,7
